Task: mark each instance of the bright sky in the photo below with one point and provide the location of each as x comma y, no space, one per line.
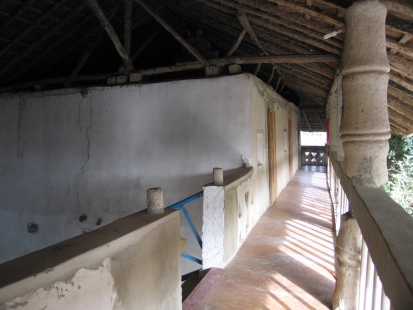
313,138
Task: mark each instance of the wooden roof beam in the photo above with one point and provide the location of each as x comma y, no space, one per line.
33,46
236,43
176,35
90,48
306,119
319,119
36,22
111,33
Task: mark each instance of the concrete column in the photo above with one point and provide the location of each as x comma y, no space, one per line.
155,200
218,176
365,125
348,253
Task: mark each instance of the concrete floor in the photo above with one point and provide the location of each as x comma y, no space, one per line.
287,261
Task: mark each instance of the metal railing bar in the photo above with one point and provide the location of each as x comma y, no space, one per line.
191,258
180,204
191,225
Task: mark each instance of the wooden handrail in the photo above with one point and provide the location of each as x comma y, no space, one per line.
388,232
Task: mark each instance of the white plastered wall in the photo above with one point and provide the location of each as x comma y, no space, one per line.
95,151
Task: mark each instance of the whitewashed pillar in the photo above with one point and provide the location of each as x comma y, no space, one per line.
364,130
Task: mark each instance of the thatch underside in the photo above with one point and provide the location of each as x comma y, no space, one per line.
46,39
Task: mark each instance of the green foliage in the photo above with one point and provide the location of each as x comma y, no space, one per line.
400,166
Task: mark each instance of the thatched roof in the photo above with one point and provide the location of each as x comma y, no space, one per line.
42,42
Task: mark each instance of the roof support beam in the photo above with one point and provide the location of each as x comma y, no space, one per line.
128,25
176,35
52,31
89,49
274,59
111,32
246,24
319,119
144,45
257,69
237,42
306,119
271,75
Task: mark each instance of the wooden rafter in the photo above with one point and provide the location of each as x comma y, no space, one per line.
90,48
111,33
15,15
145,45
319,119
36,22
237,42
306,119
16,59
176,35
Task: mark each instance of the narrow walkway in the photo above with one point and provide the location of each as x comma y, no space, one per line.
287,260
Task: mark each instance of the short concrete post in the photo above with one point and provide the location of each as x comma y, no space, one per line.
348,252
155,200
365,127
218,176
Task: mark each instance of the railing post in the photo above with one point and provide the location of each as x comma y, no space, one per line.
348,251
155,200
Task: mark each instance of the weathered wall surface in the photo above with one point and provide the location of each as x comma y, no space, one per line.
232,210
132,263
96,151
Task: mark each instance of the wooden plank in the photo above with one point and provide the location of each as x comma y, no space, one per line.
111,33
61,80
309,11
400,64
397,93
401,81
274,59
236,43
128,25
176,35
16,14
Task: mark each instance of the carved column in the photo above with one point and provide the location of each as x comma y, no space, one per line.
364,129
365,125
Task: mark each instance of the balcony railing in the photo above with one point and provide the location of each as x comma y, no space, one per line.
386,275
313,155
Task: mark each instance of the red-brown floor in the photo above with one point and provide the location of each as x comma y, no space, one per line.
287,261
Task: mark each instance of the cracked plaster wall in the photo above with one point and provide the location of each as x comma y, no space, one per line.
95,152
232,210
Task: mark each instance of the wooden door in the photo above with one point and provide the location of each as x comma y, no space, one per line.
290,148
272,160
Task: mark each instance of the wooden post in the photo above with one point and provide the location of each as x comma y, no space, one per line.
111,32
176,35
